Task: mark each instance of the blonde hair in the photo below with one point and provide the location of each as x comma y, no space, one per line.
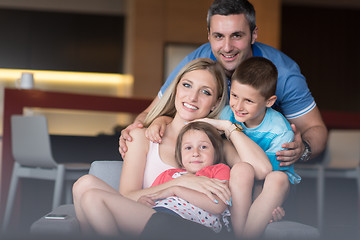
166,105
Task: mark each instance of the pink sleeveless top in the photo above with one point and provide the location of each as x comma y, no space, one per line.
154,165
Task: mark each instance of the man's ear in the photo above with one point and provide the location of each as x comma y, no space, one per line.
254,35
271,101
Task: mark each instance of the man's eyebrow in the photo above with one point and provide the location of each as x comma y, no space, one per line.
238,33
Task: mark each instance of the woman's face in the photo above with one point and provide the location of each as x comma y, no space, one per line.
196,95
197,151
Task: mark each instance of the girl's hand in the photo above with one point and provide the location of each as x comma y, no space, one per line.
146,200
156,130
208,186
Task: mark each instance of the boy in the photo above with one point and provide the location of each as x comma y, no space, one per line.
252,94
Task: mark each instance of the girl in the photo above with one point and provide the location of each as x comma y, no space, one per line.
199,151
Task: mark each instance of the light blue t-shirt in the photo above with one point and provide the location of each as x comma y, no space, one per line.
293,95
272,132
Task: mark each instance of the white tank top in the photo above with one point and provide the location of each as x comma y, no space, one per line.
154,165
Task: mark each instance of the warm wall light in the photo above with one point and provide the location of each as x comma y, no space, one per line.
75,122
110,84
68,77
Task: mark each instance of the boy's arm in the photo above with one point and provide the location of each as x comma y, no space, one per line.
242,149
157,128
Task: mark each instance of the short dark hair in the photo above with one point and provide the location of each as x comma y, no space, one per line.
211,132
258,72
233,7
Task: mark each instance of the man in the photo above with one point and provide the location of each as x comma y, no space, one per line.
232,35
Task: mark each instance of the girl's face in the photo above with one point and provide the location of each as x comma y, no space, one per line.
196,95
197,151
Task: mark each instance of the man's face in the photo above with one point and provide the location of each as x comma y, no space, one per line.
231,40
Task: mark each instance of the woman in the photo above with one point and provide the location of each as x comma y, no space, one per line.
198,91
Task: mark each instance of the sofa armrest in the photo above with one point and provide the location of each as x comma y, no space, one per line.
69,225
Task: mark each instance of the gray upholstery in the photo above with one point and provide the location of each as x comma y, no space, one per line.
110,171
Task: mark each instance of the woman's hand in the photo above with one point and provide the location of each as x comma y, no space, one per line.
157,128
207,186
165,193
146,200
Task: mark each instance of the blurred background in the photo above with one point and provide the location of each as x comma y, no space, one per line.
138,43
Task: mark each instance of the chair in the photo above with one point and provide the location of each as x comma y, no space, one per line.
109,172
341,160
31,149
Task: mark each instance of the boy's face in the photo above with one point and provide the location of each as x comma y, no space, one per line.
247,104
197,151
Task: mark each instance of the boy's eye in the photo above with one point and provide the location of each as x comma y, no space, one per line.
234,95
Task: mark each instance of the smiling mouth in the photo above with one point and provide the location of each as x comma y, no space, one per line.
240,114
190,106
229,56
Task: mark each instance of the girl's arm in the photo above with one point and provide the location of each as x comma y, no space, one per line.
243,149
194,197
132,175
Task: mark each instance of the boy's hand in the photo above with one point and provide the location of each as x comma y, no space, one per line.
125,136
157,128
293,149
277,214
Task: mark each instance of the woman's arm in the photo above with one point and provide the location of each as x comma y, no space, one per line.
194,197
132,175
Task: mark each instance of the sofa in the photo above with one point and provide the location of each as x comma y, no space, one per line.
109,171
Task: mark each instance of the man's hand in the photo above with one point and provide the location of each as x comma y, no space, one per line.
125,136
293,150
